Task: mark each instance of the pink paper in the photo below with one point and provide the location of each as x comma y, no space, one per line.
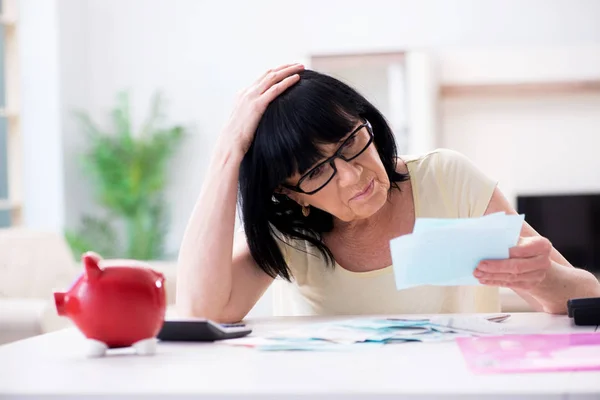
532,353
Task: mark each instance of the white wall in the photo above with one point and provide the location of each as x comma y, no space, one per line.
532,144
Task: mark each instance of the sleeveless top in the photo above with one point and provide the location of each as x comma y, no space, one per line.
445,184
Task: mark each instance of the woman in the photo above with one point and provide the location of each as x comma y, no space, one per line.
322,193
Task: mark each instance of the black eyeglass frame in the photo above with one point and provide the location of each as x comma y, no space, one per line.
330,160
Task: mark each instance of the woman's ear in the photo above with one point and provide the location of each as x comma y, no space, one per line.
295,196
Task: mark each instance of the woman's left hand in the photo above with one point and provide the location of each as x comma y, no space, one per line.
527,265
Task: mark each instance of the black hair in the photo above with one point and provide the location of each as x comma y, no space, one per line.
317,109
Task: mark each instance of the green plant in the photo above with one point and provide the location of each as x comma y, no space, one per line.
128,172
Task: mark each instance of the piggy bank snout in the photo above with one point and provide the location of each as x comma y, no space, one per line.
66,305
59,302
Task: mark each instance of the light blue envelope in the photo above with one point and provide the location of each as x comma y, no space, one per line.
425,224
446,251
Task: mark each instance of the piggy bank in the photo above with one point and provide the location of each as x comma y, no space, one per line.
116,306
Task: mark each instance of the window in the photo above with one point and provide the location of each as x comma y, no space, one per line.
10,140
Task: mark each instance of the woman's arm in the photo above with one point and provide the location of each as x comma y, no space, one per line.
536,270
216,279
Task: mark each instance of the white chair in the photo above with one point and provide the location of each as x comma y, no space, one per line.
32,265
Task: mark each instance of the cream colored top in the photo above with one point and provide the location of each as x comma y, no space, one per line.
445,184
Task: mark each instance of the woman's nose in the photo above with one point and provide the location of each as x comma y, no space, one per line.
348,172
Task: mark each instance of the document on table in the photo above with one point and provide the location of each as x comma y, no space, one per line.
532,353
446,251
366,333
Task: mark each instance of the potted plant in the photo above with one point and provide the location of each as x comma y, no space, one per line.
128,171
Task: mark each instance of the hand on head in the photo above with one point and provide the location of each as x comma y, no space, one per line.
253,101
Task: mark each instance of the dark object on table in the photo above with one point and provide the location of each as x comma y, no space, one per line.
584,311
199,330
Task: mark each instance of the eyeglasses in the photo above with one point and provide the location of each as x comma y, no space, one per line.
321,174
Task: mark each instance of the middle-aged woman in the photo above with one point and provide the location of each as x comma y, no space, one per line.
322,192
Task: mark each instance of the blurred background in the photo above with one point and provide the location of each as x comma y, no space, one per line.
109,110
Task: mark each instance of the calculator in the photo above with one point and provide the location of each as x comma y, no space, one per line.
200,330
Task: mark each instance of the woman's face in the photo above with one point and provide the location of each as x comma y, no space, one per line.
358,189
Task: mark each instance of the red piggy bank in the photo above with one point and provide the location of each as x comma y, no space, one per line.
116,306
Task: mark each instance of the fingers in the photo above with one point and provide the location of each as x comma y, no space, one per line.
527,266
515,265
524,284
279,88
530,247
262,77
512,285
506,279
276,76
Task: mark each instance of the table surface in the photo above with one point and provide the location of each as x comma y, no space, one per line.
56,363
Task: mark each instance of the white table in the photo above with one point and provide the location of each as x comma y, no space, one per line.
55,363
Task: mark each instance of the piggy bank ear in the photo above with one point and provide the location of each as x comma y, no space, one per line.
90,262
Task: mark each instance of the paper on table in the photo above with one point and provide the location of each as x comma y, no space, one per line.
384,323
360,332
532,353
333,333
446,251
468,324
352,331
271,344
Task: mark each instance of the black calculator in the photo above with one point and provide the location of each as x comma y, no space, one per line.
200,330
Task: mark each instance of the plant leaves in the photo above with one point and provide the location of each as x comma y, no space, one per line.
128,173
94,234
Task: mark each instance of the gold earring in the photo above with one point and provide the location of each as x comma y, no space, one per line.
305,210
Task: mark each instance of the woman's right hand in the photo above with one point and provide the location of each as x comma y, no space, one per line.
252,102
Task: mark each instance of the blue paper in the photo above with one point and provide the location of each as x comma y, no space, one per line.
445,252
426,224
363,333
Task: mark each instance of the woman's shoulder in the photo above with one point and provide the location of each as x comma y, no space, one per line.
459,185
441,164
433,159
